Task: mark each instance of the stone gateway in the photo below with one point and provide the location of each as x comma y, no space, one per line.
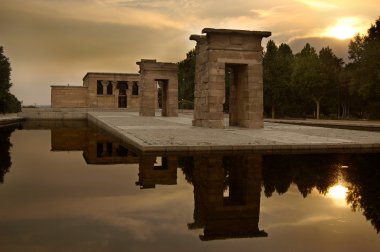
156,75
238,52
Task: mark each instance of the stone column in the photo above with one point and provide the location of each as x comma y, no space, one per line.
104,84
115,93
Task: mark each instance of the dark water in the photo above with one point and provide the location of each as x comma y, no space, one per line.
70,187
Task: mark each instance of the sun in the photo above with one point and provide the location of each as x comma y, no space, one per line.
341,31
338,194
345,28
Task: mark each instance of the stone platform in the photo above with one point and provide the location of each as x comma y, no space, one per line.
175,134
341,124
6,119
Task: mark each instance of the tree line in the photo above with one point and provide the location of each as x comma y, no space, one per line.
310,83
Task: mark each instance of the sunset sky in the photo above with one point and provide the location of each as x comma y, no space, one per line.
56,42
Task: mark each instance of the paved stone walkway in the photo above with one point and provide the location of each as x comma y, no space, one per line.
166,134
347,124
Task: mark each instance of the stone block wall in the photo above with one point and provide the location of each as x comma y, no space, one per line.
68,97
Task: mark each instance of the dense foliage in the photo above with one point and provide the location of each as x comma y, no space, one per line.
186,81
364,71
278,67
8,102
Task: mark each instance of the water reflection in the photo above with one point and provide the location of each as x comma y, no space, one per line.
100,148
5,146
228,190
157,171
319,171
227,196
359,172
363,194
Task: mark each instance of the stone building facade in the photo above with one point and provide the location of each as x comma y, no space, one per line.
238,53
99,90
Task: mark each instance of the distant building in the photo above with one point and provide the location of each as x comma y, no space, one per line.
99,90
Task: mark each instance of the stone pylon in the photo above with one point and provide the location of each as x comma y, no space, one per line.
238,55
152,74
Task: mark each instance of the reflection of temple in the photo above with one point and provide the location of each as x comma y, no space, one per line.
99,148
231,213
157,171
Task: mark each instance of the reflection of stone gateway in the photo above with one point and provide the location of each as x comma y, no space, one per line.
239,52
152,174
235,215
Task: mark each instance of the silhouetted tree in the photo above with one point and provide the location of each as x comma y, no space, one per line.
364,193
305,171
330,69
8,102
277,71
277,174
5,145
364,53
306,77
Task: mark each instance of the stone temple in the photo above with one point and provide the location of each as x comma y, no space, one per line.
239,53
228,74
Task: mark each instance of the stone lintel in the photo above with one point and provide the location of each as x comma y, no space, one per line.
66,86
143,61
198,38
264,34
152,64
104,74
239,61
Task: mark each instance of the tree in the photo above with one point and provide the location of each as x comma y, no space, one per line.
8,102
306,78
285,61
277,65
186,80
5,76
364,53
270,76
316,76
330,70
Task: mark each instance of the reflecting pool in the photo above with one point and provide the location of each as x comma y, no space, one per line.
68,186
